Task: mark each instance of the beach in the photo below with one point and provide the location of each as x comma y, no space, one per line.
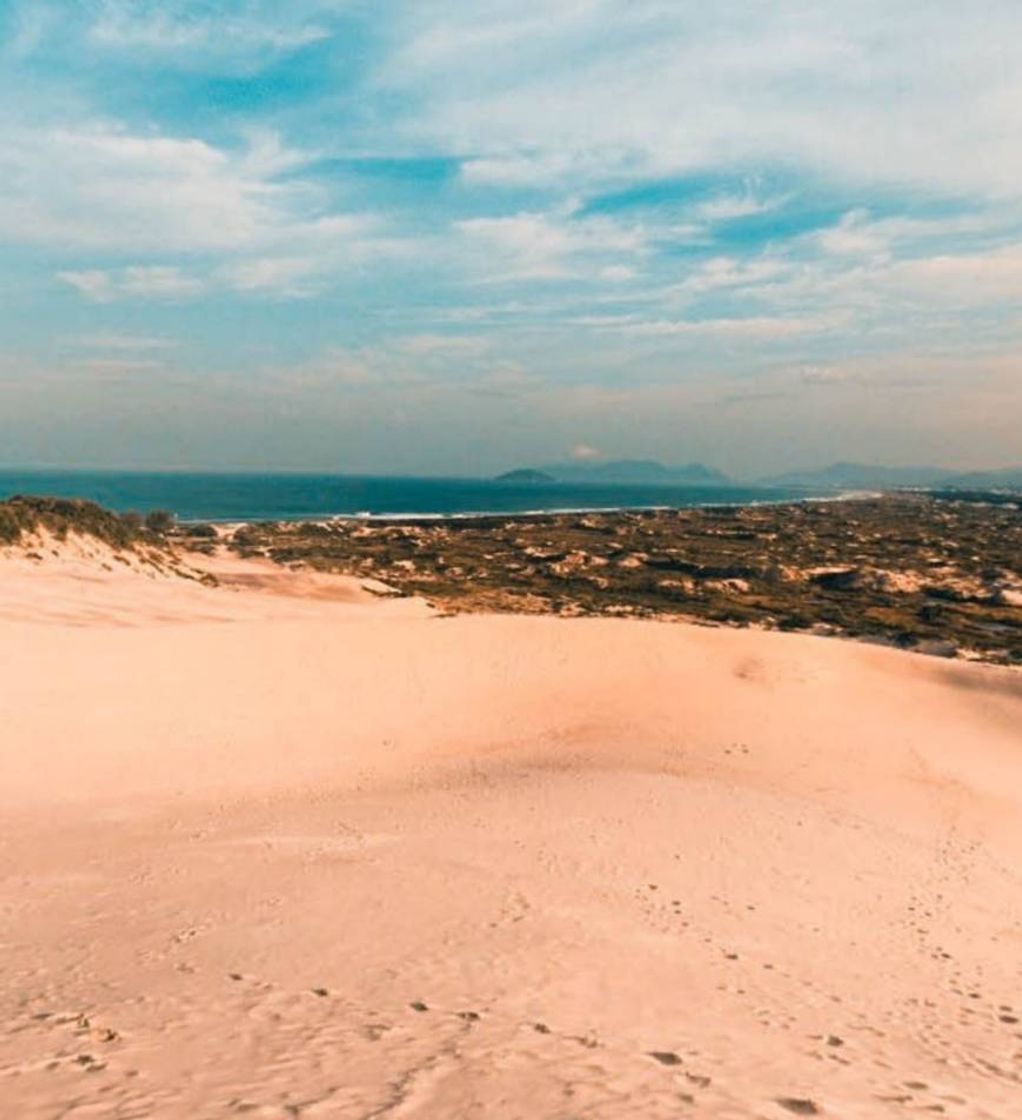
288,847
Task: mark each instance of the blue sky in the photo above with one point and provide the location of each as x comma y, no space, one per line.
457,237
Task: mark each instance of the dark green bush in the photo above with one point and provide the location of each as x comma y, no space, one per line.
60,516
159,521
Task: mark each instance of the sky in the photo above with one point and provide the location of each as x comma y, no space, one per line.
461,236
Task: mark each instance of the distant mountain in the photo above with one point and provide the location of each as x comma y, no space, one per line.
861,476
526,475
637,471
1007,478
868,476
836,476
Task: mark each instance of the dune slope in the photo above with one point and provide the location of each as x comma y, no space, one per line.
282,848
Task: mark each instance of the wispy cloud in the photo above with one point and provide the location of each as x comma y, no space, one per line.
286,276
729,273
151,281
740,84
539,246
728,207
440,345
123,191
755,328
122,342
172,25
117,367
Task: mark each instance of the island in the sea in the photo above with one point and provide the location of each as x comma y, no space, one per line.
621,472
835,476
527,475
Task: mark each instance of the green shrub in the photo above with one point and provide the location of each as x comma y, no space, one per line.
60,516
159,521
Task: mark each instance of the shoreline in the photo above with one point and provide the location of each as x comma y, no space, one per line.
198,497
485,515
490,515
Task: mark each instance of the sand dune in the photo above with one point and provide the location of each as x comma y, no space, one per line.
285,848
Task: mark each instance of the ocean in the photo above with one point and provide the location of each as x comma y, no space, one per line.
255,497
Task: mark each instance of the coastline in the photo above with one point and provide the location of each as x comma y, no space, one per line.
233,497
553,511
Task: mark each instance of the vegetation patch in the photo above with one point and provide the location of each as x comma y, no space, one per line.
919,572
26,514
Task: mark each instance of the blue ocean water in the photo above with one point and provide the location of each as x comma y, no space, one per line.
252,497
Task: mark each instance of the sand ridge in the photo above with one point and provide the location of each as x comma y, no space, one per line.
282,847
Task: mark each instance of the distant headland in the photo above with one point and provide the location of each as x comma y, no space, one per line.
640,472
525,475
836,476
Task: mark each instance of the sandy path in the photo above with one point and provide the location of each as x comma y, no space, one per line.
324,855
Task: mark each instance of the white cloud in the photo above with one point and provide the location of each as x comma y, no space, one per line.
753,327
122,191
546,169
145,281
899,293
163,281
444,345
438,38
965,278
616,272
94,284
855,235
930,95
118,367
117,189
730,273
534,247
283,276
332,247
122,342
537,246
424,361
727,207
174,25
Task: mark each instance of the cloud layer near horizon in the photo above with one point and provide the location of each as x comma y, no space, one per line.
457,237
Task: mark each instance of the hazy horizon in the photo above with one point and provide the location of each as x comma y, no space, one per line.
462,238
744,480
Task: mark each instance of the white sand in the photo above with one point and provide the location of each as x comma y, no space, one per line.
791,866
